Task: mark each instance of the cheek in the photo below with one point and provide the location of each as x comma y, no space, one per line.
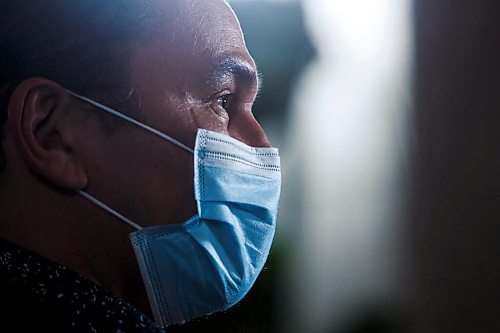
170,189
205,118
158,183
144,177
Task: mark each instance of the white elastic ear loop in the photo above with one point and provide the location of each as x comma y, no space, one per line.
109,210
150,129
132,120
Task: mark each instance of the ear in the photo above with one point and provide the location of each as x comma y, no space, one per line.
37,119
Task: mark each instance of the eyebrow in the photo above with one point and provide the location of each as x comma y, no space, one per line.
234,68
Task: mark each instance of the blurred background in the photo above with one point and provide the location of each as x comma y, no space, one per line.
386,116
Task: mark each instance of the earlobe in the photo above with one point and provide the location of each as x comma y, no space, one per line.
36,120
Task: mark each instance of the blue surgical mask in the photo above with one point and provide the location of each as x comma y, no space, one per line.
209,263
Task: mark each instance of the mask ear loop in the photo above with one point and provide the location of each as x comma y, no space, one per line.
150,129
132,120
110,210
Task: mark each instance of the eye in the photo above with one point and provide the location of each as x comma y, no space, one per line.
223,101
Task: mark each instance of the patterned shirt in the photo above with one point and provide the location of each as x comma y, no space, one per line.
43,296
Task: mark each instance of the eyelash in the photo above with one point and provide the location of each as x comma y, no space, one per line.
224,100
220,104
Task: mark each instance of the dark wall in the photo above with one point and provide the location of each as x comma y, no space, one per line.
454,229
277,39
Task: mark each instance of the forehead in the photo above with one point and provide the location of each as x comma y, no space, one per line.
207,23
191,36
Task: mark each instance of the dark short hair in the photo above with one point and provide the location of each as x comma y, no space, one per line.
84,45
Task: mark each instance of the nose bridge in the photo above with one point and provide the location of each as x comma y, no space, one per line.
245,128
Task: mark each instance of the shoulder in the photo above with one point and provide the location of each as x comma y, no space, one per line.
40,295
22,309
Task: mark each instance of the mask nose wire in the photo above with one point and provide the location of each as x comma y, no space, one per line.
133,121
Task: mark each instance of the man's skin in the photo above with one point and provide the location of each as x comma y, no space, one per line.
195,73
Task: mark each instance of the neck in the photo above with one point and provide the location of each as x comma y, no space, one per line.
67,229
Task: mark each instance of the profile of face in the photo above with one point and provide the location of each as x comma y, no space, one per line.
195,72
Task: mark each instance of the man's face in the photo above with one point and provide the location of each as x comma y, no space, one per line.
195,73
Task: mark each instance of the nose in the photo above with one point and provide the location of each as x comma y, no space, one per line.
245,128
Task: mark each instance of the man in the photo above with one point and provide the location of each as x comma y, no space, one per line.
112,200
